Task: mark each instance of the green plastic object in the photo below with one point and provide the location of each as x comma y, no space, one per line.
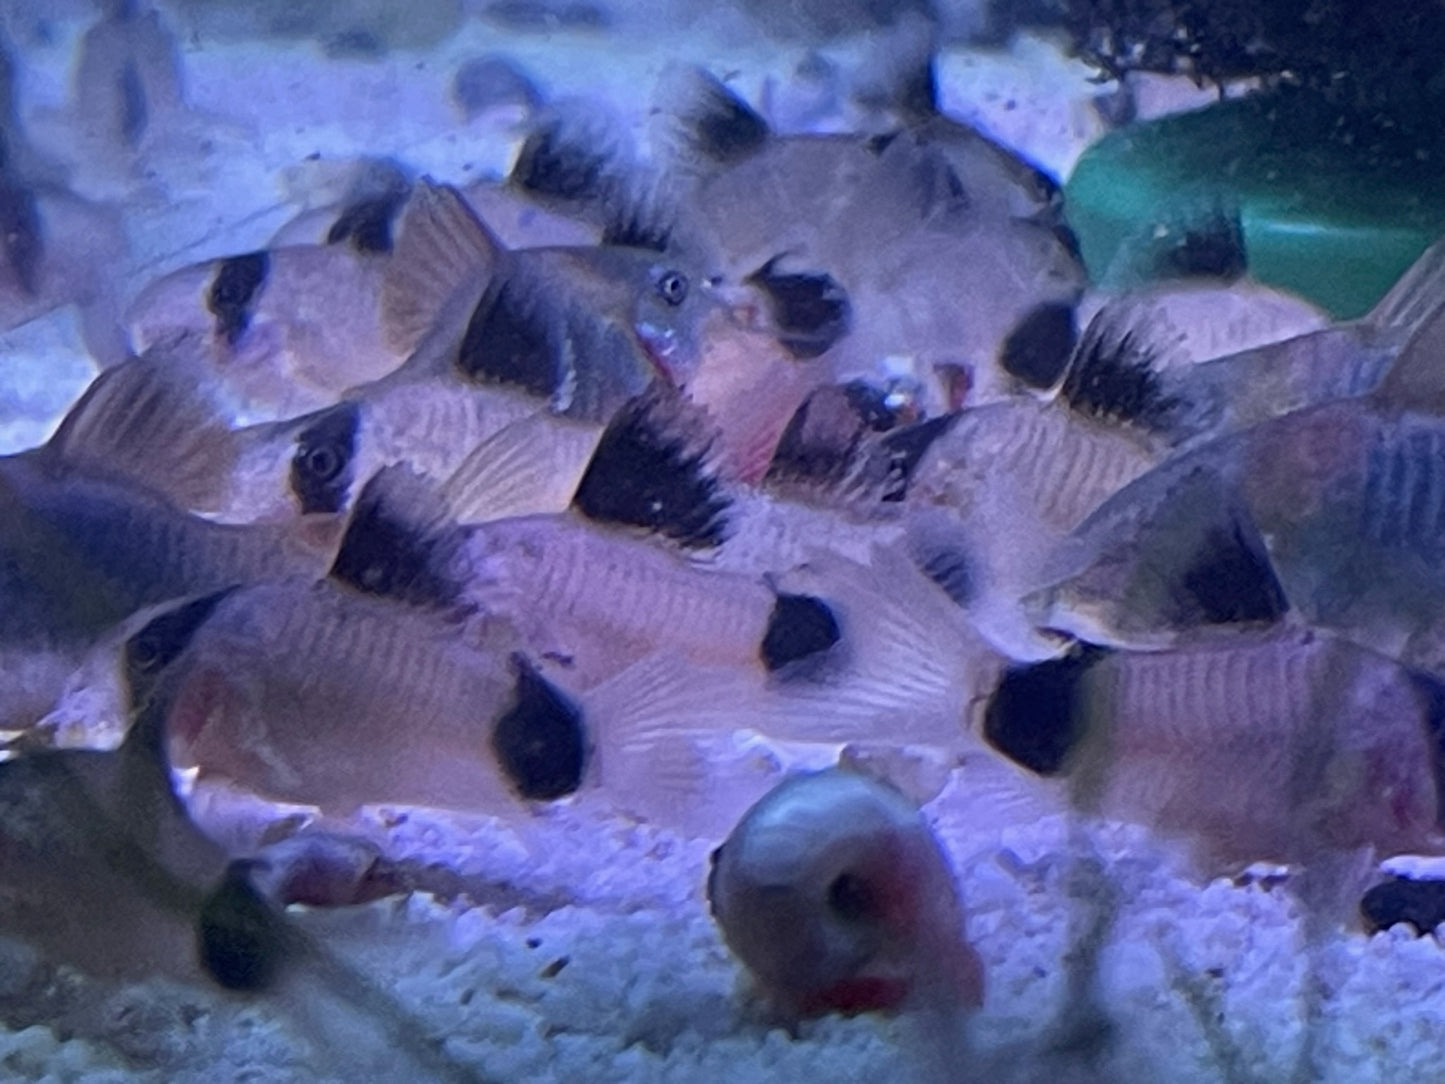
1321,215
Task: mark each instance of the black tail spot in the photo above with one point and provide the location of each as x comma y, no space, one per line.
1403,899
321,467
649,471
1038,347
540,741
368,224
810,310
800,627
160,643
240,939
233,291
397,546
1036,715
1231,581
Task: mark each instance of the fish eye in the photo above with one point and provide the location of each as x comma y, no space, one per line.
851,899
672,287
322,461
145,653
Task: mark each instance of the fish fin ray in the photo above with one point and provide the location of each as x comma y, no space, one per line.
532,466
441,247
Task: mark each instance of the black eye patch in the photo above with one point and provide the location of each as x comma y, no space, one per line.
810,310
321,467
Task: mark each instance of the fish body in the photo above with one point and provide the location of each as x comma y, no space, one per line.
1278,746
835,895
311,694
80,557
953,288
1329,512
286,330
582,328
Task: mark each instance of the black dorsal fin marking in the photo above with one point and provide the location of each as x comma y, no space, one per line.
540,741
1038,348
323,465
562,160
1113,376
820,443
241,940
1038,714
1230,580
231,298
400,542
651,469
162,641
717,123
810,309
640,220
900,451
800,627
512,340
368,224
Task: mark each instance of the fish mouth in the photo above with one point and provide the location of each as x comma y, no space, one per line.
660,347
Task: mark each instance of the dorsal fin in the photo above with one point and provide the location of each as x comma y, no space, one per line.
1416,295
146,420
441,247
639,218
162,640
368,224
401,542
1416,381
821,440
531,467
1113,375
711,123
568,159
652,469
